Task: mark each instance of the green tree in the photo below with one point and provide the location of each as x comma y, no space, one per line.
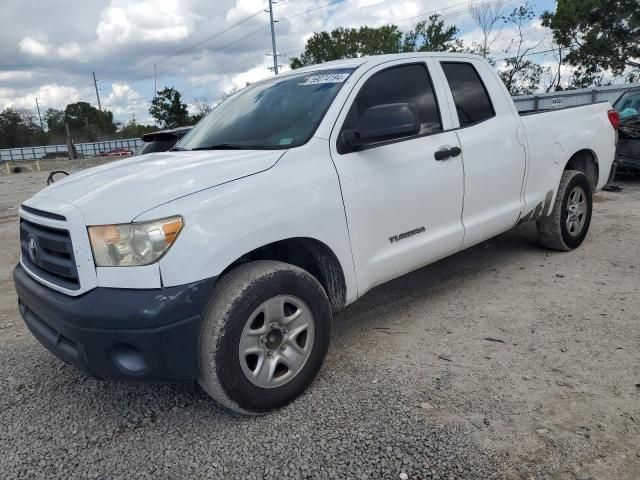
167,108
429,35
349,43
133,129
520,74
18,128
432,36
602,35
87,123
54,119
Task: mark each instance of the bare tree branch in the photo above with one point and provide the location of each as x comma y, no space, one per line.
486,15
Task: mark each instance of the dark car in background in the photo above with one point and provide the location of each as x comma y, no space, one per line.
162,140
628,149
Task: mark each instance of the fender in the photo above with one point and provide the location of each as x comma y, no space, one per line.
226,222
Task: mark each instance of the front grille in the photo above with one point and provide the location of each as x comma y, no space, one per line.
48,253
42,213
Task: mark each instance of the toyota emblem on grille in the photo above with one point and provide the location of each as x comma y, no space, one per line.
33,248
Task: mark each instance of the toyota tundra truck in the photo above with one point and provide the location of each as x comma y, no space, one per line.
223,260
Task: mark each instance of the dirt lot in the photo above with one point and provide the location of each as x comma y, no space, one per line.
504,361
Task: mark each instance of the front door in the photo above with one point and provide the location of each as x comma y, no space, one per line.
403,205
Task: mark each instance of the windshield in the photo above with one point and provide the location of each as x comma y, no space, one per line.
628,105
279,113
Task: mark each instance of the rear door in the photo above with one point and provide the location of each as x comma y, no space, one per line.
493,149
403,206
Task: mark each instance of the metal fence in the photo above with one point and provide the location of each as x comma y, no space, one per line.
571,98
84,149
538,101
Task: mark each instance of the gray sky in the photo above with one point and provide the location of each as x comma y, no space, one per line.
48,49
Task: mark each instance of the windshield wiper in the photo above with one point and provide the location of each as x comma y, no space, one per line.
177,149
223,146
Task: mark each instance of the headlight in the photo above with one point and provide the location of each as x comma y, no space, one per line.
133,244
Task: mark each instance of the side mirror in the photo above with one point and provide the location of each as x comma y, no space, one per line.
383,122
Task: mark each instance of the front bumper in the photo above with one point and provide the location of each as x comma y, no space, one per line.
118,334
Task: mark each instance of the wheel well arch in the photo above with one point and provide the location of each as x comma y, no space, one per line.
585,161
309,254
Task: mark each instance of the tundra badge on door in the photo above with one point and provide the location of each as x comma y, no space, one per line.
410,233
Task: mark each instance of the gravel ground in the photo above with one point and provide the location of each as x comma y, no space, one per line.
504,361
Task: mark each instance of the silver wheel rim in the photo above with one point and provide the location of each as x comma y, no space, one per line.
276,341
576,211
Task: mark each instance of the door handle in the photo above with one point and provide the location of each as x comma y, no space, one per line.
445,153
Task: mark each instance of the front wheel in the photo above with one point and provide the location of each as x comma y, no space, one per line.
567,225
264,336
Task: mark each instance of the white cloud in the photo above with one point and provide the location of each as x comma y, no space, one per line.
240,80
244,8
49,96
122,39
69,50
124,100
31,46
16,75
143,21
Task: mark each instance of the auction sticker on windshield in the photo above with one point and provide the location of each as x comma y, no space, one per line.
328,78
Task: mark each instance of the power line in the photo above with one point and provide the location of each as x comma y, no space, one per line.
196,85
217,34
335,2
209,52
185,49
534,53
465,11
210,37
295,15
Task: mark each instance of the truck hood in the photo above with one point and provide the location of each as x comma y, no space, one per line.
118,192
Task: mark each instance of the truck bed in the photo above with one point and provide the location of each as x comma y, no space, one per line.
554,136
523,113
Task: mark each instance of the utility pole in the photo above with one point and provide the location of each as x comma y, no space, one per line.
71,148
95,84
273,38
155,88
39,116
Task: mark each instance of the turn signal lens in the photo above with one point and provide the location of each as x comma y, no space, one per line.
133,244
171,230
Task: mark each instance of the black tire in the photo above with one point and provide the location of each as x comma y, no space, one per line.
552,230
235,299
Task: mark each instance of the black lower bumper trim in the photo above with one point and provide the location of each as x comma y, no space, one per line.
120,334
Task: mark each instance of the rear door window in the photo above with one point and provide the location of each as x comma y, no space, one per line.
471,98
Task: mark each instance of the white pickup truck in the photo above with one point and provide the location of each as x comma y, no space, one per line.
223,259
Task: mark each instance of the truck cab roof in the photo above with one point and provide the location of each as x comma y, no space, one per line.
373,60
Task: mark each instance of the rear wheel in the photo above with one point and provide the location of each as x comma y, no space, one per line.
264,336
567,225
